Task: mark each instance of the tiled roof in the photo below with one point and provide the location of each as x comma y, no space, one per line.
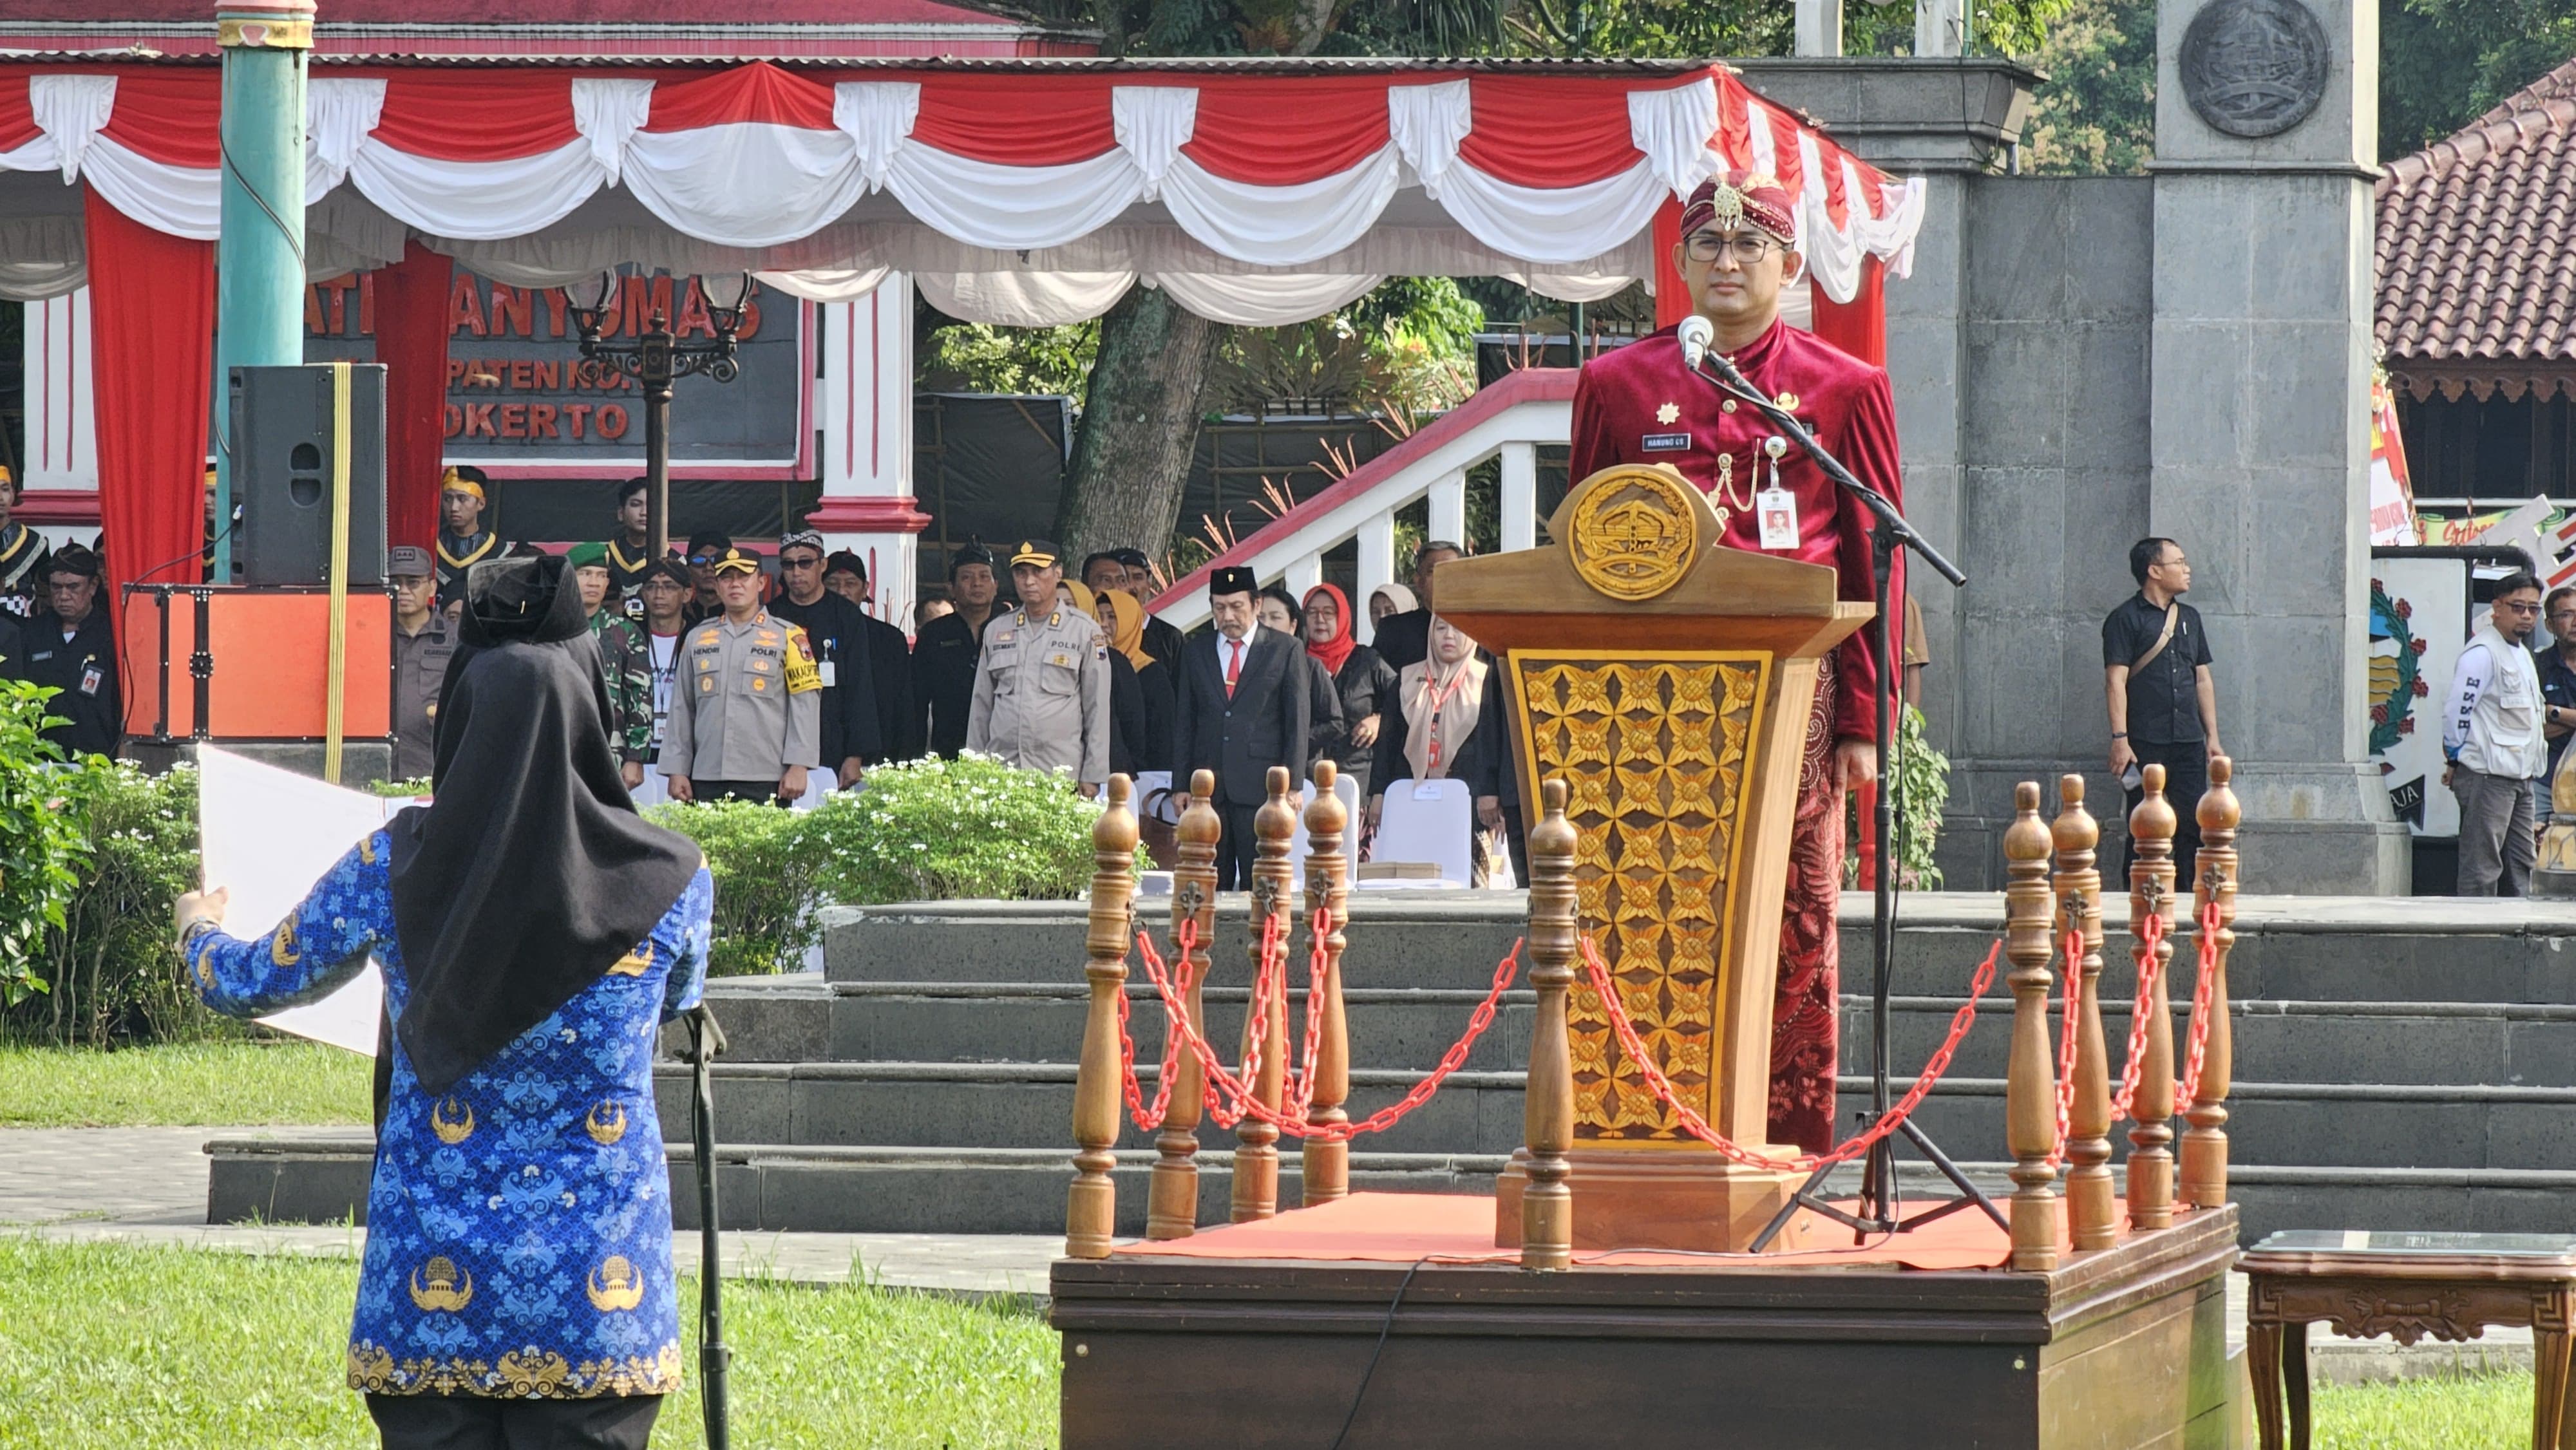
2476,251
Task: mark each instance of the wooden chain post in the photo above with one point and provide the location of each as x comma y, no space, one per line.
1091,1204
1172,1202
1547,1108
1328,889
1256,1154
2092,1212
2151,894
2030,1089
2204,1143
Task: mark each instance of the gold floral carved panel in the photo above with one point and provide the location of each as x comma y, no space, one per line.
1653,748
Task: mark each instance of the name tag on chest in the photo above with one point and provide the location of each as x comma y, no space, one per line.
1666,443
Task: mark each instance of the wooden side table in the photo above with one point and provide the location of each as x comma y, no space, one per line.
2408,1286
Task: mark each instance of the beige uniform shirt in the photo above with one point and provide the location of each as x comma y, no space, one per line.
748,702
1042,694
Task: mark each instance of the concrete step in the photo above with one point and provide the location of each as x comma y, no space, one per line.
1043,1022
1399,1028
1030,1105
2418,1043
826,1190
2427,949
897,1190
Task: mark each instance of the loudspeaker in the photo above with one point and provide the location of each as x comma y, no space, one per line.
284,428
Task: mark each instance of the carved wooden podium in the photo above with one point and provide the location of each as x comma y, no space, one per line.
1668,681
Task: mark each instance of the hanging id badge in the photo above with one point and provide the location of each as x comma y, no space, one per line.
91,678
1774,507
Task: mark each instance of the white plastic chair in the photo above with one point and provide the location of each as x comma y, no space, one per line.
1298,849
1429,821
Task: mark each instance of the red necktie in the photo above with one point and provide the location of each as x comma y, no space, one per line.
1233,666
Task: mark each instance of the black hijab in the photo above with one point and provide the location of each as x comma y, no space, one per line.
529,874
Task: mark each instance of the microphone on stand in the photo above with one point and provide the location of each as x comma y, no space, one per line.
1695,334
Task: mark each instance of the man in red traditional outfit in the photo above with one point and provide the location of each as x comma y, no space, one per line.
1639,405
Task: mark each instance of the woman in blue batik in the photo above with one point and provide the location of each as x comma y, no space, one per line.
534,933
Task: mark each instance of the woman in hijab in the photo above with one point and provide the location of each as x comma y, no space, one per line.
1452,728
533,933
1362,680
1326,734
1389,599
1123,618
1128,728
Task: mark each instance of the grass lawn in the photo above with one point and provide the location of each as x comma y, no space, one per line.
229,1083
2488,1412
105,1345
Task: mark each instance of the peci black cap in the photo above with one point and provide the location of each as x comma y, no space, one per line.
1233,579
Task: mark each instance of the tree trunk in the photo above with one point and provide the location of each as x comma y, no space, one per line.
1140,425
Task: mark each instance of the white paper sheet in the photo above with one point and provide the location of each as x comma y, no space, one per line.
269,834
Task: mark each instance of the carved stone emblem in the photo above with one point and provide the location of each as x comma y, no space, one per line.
1635,534
2254,68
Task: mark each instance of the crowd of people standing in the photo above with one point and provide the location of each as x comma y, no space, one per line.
729,675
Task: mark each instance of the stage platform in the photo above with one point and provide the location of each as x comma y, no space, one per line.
1268,1330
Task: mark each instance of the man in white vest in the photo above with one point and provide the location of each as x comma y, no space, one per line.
2491,734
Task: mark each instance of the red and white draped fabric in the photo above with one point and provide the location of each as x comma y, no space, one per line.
1028,193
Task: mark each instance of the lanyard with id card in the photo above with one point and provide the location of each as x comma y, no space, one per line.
1775,507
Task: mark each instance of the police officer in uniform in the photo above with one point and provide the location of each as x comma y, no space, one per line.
945,652
424,641
747,711
1042,684
462,539
70,647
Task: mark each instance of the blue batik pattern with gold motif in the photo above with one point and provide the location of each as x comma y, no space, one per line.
518,1228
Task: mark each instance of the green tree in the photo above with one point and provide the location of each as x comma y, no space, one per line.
2442,63
2095,113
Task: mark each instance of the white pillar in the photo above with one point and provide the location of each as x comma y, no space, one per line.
1377,567
1820,27
1520,495
59,468
864,409
1304,573
1448,522
1940,27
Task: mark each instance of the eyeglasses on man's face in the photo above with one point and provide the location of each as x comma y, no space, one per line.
2519,606
1746,247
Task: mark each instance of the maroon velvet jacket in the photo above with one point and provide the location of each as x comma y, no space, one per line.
1637,405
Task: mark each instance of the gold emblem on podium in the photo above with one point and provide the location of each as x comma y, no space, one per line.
1635,535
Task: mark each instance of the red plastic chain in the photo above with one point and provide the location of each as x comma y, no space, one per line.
1150,1118
1230,1099
2189,1092
1695,1125
2069,1016
1300,1094
2151,936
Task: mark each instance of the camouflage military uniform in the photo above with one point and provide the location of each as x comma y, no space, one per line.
626,663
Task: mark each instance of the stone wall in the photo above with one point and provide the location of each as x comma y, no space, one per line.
2049,487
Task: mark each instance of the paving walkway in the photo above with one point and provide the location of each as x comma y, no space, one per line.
148,1185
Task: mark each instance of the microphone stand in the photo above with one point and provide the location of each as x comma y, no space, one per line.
1880,1209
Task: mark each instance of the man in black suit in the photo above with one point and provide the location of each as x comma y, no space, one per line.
1242,710
1405,639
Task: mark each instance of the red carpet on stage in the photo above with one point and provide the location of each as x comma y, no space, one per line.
1456,1228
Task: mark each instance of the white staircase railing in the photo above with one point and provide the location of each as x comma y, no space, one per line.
1508,420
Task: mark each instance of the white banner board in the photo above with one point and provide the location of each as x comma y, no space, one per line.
269,835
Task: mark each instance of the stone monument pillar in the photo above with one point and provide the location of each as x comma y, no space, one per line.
2266,143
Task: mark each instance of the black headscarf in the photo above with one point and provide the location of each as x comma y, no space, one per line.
529,874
